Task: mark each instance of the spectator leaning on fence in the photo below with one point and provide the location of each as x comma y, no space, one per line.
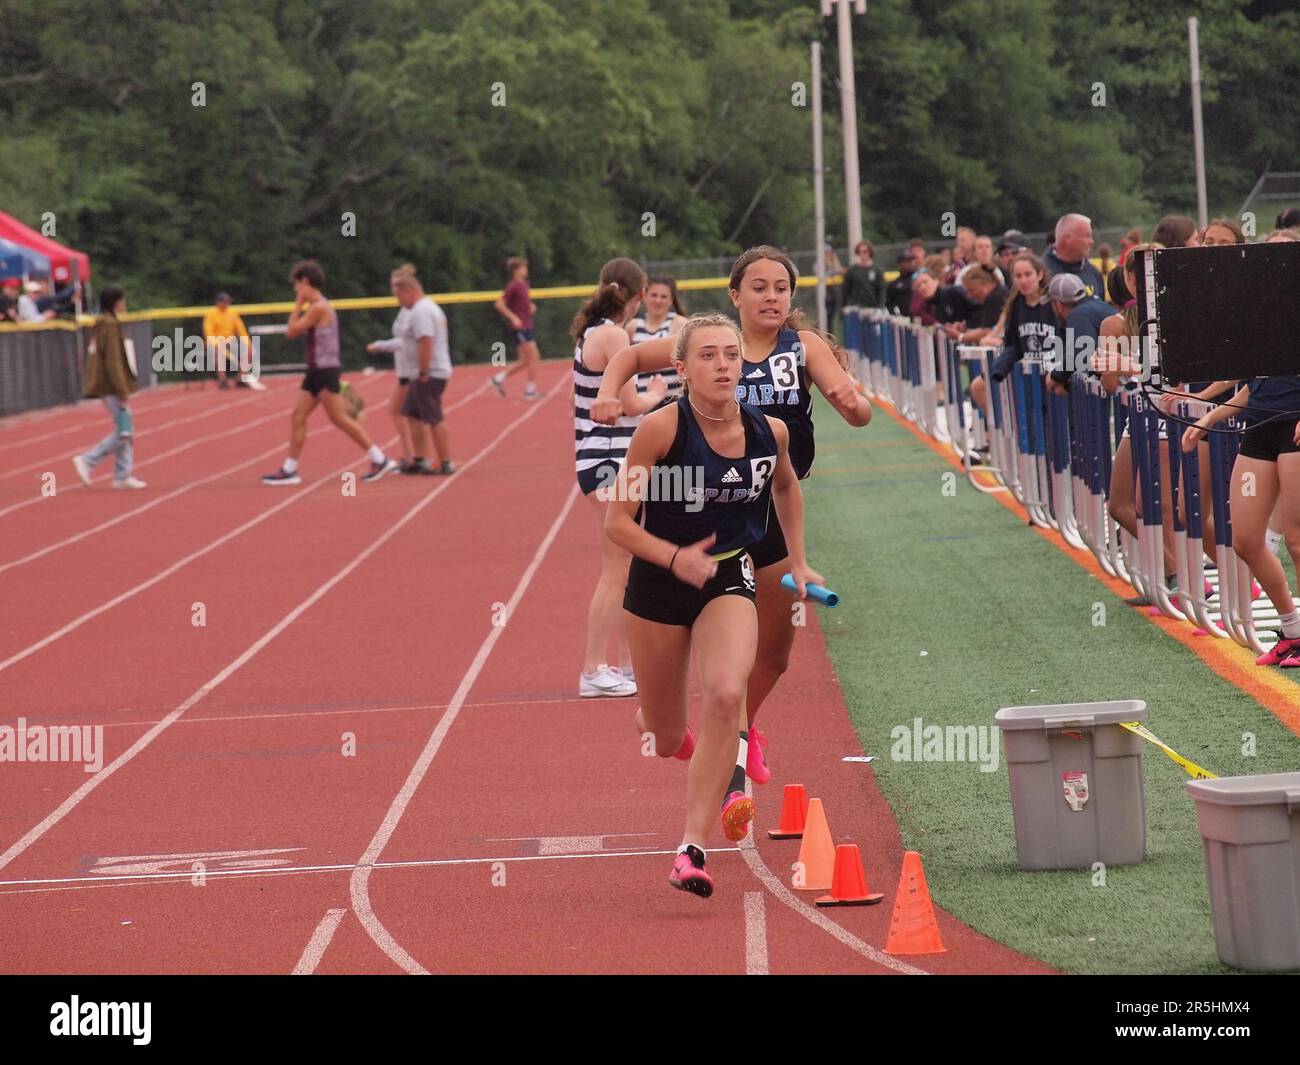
27,309
984,257
1069,253
988,296
1028,323
1081,314
110,377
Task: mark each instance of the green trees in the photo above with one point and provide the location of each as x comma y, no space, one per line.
194,147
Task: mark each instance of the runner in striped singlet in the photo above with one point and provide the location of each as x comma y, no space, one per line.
600,330
319,324
663,316
784,358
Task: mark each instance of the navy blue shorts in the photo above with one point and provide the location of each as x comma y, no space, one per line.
656,595
523,336
602,475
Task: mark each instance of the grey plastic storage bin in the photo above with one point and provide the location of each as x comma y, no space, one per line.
1076,783
1251,830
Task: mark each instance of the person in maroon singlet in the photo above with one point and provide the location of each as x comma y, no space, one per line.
314,319
516,305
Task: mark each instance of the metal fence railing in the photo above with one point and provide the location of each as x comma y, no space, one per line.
43,366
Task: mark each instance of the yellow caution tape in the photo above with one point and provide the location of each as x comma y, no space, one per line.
1186,764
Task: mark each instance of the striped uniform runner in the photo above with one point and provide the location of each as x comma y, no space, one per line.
669,375
593,443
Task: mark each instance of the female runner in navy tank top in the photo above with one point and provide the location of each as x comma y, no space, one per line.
703,475
784,358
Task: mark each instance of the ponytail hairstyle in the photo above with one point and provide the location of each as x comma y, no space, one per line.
696,322
621,281
796,319
671,284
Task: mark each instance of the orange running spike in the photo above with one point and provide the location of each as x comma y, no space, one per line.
815,866
912,927
794,811
849,885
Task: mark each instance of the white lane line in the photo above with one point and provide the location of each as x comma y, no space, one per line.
159,500
242,427
361,878
416,863
147,431
156,458
755,935
75,799
162,575
759,868
78,424
319,943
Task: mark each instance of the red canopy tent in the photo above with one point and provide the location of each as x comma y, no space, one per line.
61,257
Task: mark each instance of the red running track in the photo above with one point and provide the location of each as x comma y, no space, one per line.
370,758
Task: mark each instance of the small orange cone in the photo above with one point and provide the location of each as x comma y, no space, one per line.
912,927
849,885
815,867
794,810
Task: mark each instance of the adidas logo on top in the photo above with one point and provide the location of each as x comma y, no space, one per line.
731,476
754,373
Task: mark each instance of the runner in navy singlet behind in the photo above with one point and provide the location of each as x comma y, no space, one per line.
784,358
704,474
319,324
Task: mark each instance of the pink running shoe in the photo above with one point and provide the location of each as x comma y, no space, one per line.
688,873
737,812
755,760
1281,653
687,748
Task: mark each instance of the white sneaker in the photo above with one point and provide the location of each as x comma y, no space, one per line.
605,682
83,471
531,393
629,677
130,482
254,384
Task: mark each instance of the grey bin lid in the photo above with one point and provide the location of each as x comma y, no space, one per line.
1065,715
1266,789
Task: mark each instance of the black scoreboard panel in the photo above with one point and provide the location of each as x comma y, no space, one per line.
1224,312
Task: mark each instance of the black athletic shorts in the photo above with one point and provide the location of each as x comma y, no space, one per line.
314,381
424,400
771,549
602,475
656,595
1268,441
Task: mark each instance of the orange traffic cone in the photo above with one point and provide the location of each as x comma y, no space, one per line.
912,927
794,810
815,867
849,885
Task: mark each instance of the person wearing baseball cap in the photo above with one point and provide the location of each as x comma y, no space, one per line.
1081,316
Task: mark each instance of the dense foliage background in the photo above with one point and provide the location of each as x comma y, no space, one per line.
614,108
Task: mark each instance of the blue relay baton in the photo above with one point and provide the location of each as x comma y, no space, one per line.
815,591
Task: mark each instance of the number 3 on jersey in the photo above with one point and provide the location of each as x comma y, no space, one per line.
760,470
785,371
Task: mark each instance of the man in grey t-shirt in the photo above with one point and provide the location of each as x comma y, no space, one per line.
422,358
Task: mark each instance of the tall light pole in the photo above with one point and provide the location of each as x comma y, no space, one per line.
849,115
1198,135
819,194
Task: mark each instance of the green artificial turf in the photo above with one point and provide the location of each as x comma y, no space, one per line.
950,609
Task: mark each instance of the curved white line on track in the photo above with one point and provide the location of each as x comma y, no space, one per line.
75,799
162,575
361,878
759,868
